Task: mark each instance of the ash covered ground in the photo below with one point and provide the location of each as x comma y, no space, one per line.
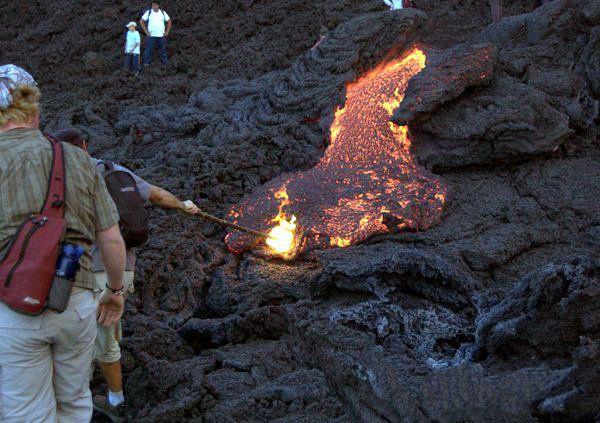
491,315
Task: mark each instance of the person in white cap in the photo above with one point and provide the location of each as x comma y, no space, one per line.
132,49
45,360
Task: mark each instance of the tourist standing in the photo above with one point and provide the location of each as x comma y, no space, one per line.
108,351
45,360
394,4
496,10
132,49
156,24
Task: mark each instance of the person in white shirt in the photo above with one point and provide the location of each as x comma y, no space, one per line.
132,49
157,25
397,4
394,4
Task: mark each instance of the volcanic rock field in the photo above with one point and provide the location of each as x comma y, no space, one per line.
489,312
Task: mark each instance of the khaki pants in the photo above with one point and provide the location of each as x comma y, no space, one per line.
45,362
107,348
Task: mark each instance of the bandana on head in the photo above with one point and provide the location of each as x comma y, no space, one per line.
11,77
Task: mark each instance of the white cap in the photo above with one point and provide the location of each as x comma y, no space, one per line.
132,23
11,77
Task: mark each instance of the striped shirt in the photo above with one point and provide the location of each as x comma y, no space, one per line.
25,161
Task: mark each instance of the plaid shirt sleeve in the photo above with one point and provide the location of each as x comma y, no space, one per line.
104,206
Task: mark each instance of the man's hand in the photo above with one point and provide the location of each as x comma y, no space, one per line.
110,309
190,208
143,25
167,200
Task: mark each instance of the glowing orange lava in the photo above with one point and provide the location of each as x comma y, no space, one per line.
367,182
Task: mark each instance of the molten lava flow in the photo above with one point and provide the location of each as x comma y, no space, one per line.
367,182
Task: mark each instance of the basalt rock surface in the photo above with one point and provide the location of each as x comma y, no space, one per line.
446,79
552,317
488,316
469,110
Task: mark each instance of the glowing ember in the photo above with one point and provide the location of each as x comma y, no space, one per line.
367,182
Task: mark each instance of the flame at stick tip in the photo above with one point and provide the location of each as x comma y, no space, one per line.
282,238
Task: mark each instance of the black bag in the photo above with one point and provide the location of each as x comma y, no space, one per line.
130,205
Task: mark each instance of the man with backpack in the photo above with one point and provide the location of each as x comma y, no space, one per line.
130,192
52,199
156,24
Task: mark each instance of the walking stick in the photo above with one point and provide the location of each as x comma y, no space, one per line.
226,223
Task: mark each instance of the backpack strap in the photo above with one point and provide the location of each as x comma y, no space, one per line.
150,11
108,166
54,204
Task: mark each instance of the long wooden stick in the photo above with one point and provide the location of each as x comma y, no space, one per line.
222,222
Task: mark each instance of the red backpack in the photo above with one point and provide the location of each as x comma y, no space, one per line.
28,268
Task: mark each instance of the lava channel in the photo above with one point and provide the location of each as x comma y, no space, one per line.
367,182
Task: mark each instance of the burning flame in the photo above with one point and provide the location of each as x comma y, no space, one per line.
368,182
282,237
